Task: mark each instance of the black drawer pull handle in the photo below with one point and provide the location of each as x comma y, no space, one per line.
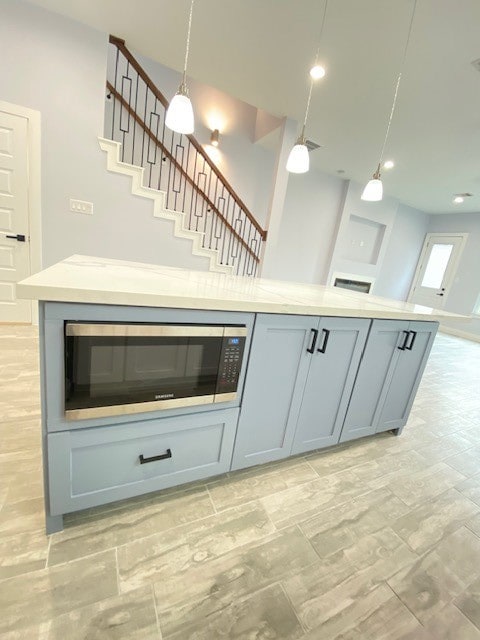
163,456
402,348
314,340
414,335
326,335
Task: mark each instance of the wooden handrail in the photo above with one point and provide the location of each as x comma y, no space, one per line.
120,44
172,159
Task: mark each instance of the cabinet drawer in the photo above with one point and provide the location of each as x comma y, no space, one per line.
94,466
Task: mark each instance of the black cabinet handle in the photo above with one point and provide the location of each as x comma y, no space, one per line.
414,335
163,456
311,349
326,335
439,294
402,348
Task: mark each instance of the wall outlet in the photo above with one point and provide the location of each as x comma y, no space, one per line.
80,206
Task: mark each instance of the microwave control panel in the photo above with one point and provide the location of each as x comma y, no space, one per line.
230,363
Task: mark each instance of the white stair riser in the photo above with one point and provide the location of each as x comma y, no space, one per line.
114,164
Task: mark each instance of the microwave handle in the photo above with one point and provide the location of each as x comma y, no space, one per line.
143,330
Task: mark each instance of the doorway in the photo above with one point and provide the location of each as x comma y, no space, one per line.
20,253
436,269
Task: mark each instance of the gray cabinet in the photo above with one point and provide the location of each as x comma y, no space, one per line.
307,376
300,375
392,365
329,383
89,467
277,370
408,372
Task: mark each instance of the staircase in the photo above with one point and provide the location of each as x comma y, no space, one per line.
174,171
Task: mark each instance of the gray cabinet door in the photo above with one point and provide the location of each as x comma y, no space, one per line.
329,383
407,375
275,378
374,376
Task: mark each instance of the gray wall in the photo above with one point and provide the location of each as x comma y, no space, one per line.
310,216
466,286
58,67
358,219
403,250
247,166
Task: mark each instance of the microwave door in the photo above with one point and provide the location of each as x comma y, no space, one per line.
147,362
125,365
150,360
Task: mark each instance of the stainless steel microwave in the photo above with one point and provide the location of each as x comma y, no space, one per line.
117,369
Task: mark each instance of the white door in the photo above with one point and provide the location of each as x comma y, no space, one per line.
436,269
14,216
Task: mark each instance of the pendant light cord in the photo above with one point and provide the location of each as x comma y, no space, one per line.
188,45
397,86
302,136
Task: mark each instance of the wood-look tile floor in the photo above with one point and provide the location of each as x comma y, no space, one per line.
376,540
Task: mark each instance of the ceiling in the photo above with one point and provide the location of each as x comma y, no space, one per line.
260,51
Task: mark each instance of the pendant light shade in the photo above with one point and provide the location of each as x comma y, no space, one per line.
298,159
373,191
179,116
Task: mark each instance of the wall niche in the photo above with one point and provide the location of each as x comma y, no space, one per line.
363,240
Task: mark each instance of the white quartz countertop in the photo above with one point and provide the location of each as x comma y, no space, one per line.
85,279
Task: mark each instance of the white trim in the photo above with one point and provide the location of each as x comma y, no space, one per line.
423,253
34,186
114,164
459,334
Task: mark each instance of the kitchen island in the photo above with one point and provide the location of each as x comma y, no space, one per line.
320,366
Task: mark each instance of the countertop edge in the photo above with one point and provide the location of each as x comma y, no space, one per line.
47,293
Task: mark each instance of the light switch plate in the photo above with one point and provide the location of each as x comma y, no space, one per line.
81,206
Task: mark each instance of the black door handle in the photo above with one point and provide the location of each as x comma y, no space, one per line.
414,335
402,347
439,294
163,456
311,349
18,237
326,335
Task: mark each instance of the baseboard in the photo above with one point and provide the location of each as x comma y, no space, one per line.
459,334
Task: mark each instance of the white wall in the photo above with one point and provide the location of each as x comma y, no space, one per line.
466,285
402,253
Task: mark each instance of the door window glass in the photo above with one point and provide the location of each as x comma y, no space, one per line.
436,266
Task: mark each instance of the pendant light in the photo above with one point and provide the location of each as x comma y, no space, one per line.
179,115
373,191
298,159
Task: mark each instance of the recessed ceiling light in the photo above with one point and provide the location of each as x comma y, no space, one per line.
458,199
317,72
388,164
